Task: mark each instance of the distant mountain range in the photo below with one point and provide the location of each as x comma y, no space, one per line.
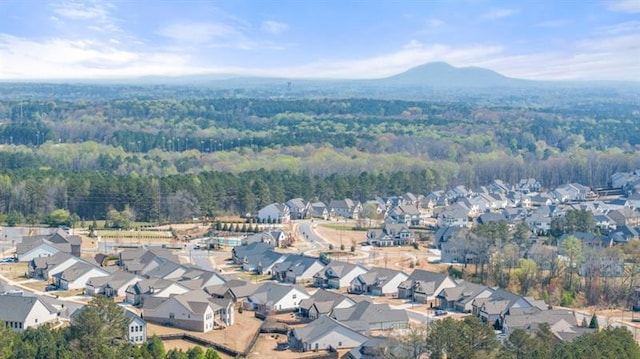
441,74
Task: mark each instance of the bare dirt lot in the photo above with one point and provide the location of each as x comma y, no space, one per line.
398,258
235,337
266,348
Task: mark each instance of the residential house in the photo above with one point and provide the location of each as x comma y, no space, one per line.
346,208
235,289
587,240
539,224
405,214
494,308
48,244
545,256
625,217
542,199
562,322
142,260
393,234
377,347
624,235
604,224
274,213
166,270
112,285
320,210
445,239
273,297
43,267
460,298
338,275
375,316
20,312
196,278
324,302
240,254
528,185
298,208
297,269
264,263
378,281
325,333
194,310
136,328
77,275
492,217
636,299
423,286
136,294
272,236
455,215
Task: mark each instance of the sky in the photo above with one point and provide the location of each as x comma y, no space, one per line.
538,40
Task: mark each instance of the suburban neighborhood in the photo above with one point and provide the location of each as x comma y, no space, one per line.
334,295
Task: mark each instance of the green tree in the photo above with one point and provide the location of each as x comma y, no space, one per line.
155,347
593,324
195,353
572,248
212,354
59,217
99,330
14,218
8,338
454,339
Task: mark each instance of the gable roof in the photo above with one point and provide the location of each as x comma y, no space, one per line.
370,313
16,308
320,327
271,293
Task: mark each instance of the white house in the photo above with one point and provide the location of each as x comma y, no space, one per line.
378,281
272,297
154,287
76,276
113,285
137,328
338,275
22,312
195,310
325,333
274,213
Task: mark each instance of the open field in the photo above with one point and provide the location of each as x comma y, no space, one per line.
14,271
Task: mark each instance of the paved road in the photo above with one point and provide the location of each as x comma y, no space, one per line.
306,230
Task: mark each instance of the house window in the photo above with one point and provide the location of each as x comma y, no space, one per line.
293,296
339,344
172,316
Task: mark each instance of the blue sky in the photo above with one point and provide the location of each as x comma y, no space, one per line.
550,40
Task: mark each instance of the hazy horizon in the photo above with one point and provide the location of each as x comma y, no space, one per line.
542,40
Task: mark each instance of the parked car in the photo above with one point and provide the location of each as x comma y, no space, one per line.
50,287
440,312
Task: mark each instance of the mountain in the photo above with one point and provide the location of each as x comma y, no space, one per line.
441,74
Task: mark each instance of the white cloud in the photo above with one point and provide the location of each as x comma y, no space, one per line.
623,27
274,27
434,22
610,58
200,32
412,54
498,14
81,10
72,59
629,6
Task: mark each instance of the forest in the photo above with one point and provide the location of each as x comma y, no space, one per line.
175,152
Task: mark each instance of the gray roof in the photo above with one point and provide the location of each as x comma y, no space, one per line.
253,249
337,269
296,264
462,293
239,288
114,280
164,269
271,293
323,299
370,313
16,308
378,276
50,261
427,281
75,271
321,327
29,243
148,285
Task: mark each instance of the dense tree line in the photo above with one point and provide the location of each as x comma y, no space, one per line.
98,331
469,338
